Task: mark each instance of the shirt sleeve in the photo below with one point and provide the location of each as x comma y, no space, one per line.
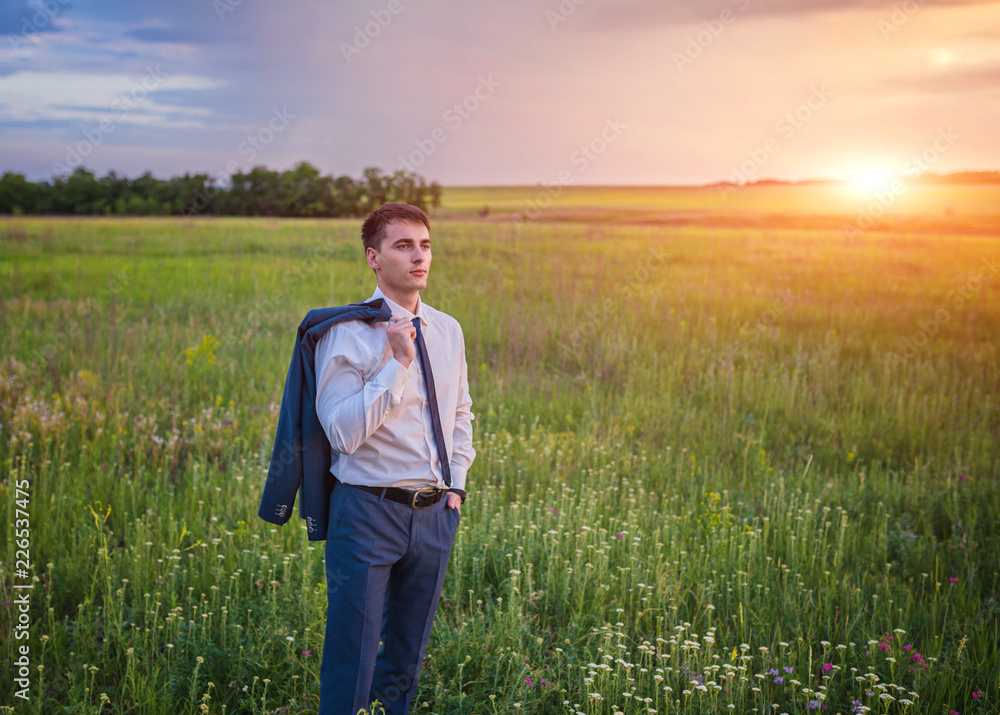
462,452
349,408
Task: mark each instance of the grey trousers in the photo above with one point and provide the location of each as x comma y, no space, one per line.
385,564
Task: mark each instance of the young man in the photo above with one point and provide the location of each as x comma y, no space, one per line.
400,467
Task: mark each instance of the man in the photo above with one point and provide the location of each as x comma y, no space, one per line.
396,507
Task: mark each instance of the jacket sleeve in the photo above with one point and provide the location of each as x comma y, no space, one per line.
349,407
284,473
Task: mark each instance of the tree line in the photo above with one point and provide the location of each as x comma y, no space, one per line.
301,191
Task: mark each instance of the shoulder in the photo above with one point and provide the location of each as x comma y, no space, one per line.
354,339
445,321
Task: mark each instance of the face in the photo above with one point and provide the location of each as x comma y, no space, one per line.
404,259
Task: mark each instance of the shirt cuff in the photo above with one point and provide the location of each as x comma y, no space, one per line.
458,477
394,376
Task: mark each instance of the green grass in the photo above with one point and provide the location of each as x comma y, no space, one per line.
703,453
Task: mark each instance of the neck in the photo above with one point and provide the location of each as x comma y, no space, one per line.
404,300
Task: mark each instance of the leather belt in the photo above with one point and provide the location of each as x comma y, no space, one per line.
417,500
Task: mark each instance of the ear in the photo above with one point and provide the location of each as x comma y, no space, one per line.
372,255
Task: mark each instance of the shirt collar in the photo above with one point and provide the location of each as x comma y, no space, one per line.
397,309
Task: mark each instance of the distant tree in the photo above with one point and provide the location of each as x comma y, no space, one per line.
192,195
18,195
347,196
305,192
378,187
256,193
300,191
79,193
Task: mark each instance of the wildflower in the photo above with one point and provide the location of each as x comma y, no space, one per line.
827,667
952,581
976,694
813,704
307,654
788,669
528,681
779,681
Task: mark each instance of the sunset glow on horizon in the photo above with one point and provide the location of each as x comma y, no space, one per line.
514,93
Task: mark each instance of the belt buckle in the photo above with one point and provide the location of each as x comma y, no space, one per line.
416,495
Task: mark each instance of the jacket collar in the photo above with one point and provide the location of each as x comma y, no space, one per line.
397,309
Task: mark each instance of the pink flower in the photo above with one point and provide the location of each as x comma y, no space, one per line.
827,667
977,694
528,681
952,581
307,654
954,712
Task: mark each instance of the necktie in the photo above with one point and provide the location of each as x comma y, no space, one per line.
425,363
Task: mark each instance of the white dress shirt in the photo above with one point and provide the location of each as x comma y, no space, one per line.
375,411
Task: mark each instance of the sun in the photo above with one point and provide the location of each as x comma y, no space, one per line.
871,180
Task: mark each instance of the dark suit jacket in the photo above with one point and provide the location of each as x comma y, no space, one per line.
302,454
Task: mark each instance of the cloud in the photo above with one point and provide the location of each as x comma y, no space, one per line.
22,19
27,97
957,80
169,35
640,14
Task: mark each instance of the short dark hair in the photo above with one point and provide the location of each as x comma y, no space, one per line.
373,229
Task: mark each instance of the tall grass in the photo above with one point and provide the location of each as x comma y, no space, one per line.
719,470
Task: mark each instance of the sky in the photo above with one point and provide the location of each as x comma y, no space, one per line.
516,92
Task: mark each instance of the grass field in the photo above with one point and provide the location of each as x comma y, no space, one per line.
721,468
907,207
